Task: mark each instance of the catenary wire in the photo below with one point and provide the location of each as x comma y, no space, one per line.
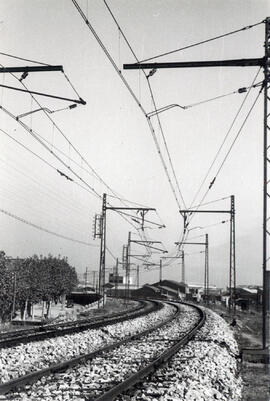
213,201
240,90
71,145
202,42
40,158
38,62
130,91
23,59
61,132
238,133
153,101
55,195
44,229
225,138
15,189
229,151
33,134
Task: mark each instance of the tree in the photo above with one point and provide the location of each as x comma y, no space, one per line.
38,279
6,288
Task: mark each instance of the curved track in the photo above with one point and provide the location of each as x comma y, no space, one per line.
138,376
10,339
113,389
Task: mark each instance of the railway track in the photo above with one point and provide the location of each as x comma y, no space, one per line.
107,372
10,339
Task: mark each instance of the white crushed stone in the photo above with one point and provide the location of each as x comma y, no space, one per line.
26,358
206,369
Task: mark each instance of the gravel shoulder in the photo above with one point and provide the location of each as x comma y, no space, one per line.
255,376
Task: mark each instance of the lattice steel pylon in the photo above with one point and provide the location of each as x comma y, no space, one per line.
266,188
232,280
101,281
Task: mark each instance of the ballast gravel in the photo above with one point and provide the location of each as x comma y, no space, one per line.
90,379
206,369
26,358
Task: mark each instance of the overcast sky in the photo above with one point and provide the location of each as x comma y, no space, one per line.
112,135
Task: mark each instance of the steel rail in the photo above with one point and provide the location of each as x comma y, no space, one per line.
59,367
50,331
137,377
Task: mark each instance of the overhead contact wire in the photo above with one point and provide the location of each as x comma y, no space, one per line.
229,151
226,136
129,89
32,133
65,137
154,103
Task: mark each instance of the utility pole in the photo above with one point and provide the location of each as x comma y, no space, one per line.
94,279
183,276
206,273
116,279
160,270
14,294
125,267
85,277
253,62
138,276
128,264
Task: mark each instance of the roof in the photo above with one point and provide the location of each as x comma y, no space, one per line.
164,287
170,283
151,287
250,290
195,286
179,283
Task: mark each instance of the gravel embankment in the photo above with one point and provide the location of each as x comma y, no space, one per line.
204,370
25,358
94,377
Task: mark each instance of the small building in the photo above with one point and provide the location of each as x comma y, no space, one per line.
194,292
172,288
247,296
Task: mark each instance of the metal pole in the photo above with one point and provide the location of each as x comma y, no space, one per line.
183,268
138,276
128,263
102,250
85,277
14,296
265,334
160,270
206,272
232,279
116,279
94,279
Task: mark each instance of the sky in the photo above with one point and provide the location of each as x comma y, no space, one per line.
113,139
